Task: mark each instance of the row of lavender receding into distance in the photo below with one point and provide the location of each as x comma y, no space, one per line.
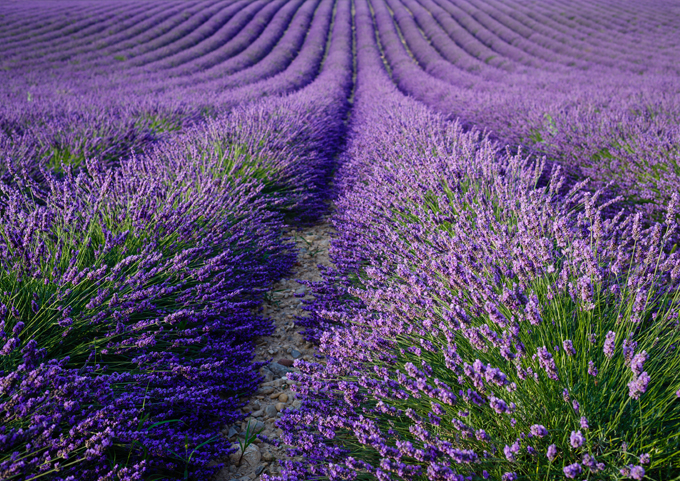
504,302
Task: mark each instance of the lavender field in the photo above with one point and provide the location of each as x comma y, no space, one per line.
503,180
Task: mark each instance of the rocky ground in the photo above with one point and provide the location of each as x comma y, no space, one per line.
283,304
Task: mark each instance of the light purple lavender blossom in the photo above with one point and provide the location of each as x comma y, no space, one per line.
498,405
637,472
637,365
509,454
638,385
628,350
552,452
572,470
545,359
645,458
576,439
592,370
584,423
609,344
539,430
569,347
633,472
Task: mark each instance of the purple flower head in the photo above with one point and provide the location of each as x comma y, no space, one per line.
589,461
638,385
645,459
636,472
545,359
592,370
511,476
552,452
509,454
565,395
576,439
584,423
569,347
498,405
572,470
637,365
539,430
628,350
609,344
532,312
575,405
18,327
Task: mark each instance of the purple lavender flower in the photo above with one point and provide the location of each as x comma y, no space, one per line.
539,430
568,347
634,472
498,405
510,476
637,365
545,359
592,370
609,344
628,350
584,423
638,385
509,453
645,458
572,470
576,439
551,453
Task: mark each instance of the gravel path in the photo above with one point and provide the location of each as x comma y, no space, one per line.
282,348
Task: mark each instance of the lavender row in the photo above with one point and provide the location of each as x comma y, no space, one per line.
477,326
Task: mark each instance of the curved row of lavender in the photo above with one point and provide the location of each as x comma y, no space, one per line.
478,326
130,288
600,99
